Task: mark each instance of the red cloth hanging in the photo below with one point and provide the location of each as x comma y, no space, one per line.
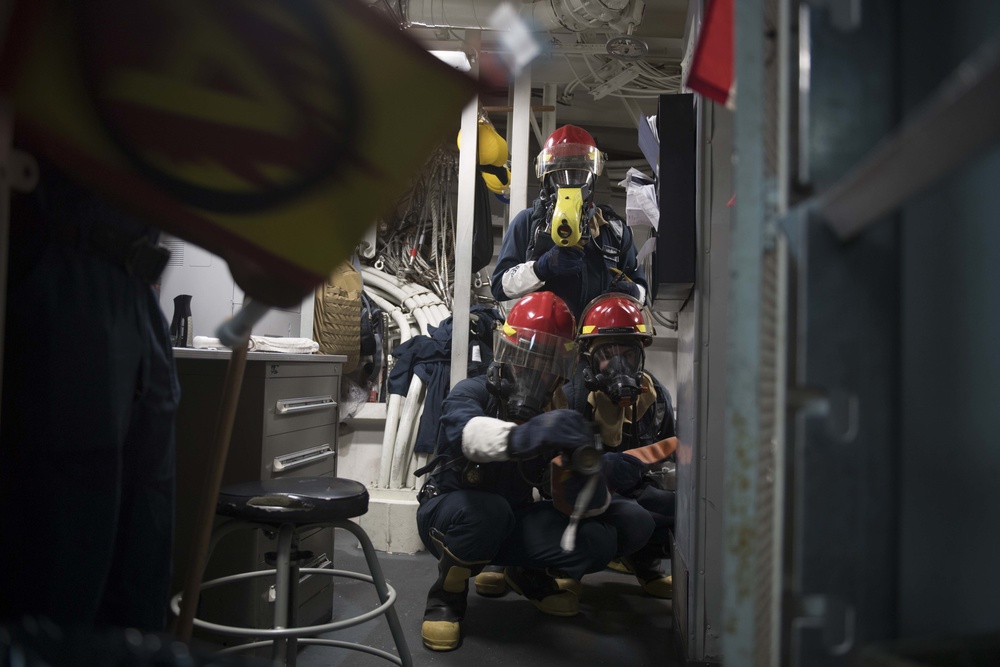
711,73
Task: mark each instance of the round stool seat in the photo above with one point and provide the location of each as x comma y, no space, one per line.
296,500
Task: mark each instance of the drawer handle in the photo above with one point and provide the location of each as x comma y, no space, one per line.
321,561
288,405
301,458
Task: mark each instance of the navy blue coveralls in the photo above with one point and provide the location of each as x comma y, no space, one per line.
486,511
656,424
87,441
613,249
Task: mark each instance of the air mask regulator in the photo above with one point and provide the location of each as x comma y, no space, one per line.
569,217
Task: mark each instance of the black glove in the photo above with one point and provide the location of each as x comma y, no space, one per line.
624,286
557,430
559,262
623,471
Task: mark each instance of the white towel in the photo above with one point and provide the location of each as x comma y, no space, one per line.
263,344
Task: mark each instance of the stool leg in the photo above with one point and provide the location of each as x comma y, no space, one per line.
282,590
383,592
292,645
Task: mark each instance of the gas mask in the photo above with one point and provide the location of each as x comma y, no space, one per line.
615,369
523,392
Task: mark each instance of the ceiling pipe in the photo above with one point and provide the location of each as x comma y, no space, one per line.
572,15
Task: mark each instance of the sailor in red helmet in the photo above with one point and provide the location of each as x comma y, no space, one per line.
498,434
565,243
635,416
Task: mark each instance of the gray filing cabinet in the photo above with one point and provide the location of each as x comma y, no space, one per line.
286,425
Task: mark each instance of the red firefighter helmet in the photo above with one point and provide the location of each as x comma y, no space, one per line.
539,333
613,333
534,352
615,315
569,157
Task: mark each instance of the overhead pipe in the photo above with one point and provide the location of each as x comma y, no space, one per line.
409,294
392,303
572,15
402,294
394,312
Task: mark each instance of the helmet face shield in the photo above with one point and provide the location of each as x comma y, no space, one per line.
538,363
570,178
572,157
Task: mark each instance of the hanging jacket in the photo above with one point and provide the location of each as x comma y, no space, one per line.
429,357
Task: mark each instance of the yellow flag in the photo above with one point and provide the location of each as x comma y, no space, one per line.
270,130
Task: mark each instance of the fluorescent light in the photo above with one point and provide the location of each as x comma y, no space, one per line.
456,59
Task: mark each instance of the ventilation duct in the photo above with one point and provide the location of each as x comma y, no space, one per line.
572,15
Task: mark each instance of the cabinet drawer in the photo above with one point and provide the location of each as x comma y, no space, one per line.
308,453
292,404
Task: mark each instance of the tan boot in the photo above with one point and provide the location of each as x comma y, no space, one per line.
542,590
490,582
618,566
574,586
651,578
447,600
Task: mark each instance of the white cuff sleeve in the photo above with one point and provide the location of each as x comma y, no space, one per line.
642,294
484,439
520,280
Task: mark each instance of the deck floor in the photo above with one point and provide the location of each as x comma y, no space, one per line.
618,624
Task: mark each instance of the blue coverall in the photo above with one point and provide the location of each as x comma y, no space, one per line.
486,511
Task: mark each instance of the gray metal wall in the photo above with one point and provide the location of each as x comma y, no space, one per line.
701,401
890,527
948,579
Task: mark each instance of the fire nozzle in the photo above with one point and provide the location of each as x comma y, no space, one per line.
567,217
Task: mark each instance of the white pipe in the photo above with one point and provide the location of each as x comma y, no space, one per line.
394,311
408,289
419,461
421,318
407,294
393,294
394,402
461,297
407,330
573,15
382,281
407,422
409,457
392,409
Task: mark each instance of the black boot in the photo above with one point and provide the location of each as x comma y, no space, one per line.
447,599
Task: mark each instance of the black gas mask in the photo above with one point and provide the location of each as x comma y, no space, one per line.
615,369
523,392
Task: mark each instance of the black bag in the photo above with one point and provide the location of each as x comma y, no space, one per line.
372,335
482,222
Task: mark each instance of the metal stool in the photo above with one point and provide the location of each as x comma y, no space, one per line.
287,507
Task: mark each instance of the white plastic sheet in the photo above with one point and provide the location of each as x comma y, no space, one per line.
641,207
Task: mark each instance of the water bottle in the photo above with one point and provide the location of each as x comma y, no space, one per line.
181,329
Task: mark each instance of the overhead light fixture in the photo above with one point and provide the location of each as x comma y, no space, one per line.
456,59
